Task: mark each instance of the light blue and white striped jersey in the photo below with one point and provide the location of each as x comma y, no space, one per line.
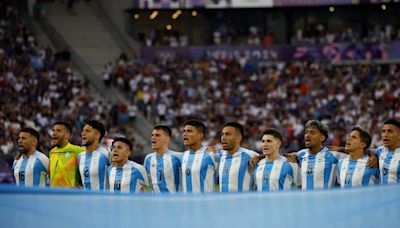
132,177
32,170
317,171
275,175
198,171
164,171
93,168
234,173
389,165
356,173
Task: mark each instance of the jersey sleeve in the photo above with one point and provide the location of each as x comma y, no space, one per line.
295,174
146,162
339,155
44,160
145,177
339,167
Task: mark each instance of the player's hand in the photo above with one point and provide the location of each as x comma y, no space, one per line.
17,156
253,162
372,161
211,149
292,157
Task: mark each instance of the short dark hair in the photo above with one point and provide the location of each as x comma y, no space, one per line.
124,140
364,136
65,124
32,132
164,128
198,125
393,122
273,132
237,126
319,126
98,126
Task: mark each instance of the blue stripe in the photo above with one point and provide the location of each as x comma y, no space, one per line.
188,172
225,173
242,169
285,171
310,176
176,165
205,162
267,170
147,167
330,159
103,163
160,170
37,171
86,170
135,175
368,173
118,179
385,168
22,171
348,181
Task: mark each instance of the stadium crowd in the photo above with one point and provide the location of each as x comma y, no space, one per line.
38,86
323,34
261,95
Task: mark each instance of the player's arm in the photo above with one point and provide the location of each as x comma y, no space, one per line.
291,157
373,161
254,161
295,174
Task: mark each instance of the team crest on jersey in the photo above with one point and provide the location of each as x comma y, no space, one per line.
305,159
226,171
310,169
67,154
266,177
188,172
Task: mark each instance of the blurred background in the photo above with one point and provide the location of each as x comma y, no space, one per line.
132,64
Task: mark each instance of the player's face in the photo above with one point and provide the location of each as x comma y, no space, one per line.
230,138
191,135
26,142
270,144
89,135
159,139
390,136
313,137
60,135
120,152
353,142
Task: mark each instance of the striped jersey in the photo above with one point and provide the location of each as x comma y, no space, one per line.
389,165
132,177
163,171
93,168
198,171
356,173
64,171
32,170
234,173
275,175
317,171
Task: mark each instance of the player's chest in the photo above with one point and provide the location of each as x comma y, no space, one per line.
315,165
161,164
193,163
232,164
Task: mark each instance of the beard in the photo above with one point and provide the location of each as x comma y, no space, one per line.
88,142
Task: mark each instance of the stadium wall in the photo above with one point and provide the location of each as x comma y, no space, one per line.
362,207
